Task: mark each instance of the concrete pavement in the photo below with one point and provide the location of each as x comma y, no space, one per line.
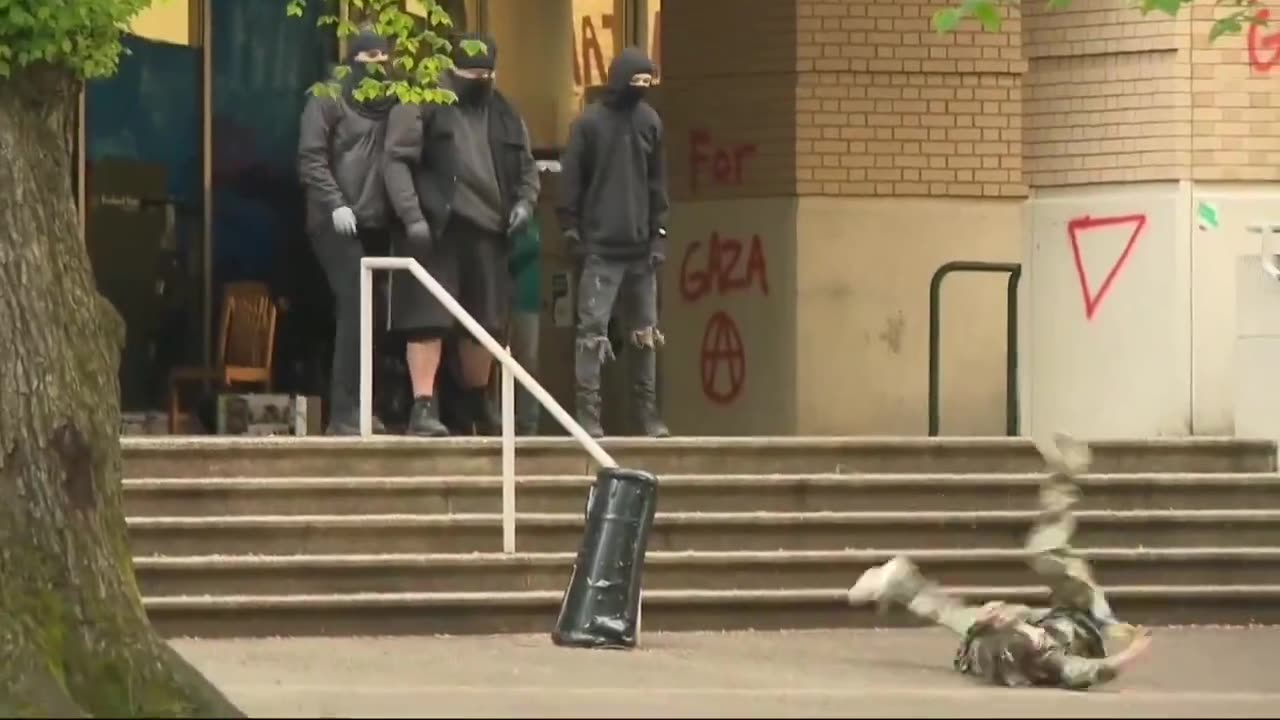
860,673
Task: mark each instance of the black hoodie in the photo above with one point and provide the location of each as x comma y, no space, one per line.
340,145
614,184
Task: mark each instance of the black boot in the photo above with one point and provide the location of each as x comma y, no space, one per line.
424,419
482,416
588,412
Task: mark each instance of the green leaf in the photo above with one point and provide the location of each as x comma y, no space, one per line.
1225,26
945,21
1168,7
989,16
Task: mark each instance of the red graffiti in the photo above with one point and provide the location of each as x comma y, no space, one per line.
727,164
1264,46
726,270
1093,299
724,361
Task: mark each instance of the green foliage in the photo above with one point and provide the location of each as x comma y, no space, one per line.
79,36
988,13
419,55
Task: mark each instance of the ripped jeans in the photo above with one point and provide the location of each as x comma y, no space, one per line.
604,285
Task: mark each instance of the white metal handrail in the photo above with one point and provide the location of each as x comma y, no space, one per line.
510,369
1270,260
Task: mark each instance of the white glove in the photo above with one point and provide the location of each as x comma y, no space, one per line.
344,221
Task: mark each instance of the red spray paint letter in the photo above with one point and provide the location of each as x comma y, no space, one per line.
723,360
727,165
726,270
1264,45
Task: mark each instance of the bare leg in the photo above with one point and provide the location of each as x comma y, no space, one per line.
423,359
477,363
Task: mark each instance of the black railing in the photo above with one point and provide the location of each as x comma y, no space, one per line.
1011,339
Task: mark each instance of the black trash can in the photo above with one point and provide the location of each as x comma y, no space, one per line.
602,603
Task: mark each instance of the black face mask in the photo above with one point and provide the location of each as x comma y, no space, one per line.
632,94
352,80
472,90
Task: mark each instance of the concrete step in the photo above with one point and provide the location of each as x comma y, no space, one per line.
371,614
152,497
397,456
367,534
779,570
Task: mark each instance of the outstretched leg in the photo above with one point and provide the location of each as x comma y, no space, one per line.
1050,553
899,581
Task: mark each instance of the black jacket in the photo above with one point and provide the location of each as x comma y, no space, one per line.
339,162
421,164
614,174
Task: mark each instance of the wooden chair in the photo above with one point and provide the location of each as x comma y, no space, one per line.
246,343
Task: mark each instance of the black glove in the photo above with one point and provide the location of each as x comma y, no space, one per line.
520,215
419,234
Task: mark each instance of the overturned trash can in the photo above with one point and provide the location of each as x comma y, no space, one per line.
602,603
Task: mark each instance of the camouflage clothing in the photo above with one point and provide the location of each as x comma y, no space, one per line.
1062,649
1019,646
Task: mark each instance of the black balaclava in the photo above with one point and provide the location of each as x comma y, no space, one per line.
470,90
621,93
364,41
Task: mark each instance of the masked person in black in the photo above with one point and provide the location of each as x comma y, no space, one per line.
462,180
614,218
340,145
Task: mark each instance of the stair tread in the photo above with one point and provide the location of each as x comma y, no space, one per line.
302,483
695,518
707,442
685,556
541,597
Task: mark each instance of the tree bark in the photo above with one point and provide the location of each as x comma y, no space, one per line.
74,638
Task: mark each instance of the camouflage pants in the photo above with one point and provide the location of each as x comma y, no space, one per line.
1050,555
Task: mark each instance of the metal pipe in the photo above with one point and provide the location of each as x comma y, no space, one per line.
508,460
1011,338
482,336
366,350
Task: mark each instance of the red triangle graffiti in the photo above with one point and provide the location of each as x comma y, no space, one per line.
1093,298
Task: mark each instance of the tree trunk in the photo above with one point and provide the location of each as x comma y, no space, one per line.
74,638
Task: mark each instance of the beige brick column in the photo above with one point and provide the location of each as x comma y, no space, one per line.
729,295
909,155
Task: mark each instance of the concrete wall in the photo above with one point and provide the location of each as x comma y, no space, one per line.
1215,316
1109,281
729,314
862,310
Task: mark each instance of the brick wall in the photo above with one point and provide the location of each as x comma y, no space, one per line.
729,83
886,106
1106,94
1235,101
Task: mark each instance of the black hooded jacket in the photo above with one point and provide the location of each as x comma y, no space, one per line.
421,168
340,146
613,171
